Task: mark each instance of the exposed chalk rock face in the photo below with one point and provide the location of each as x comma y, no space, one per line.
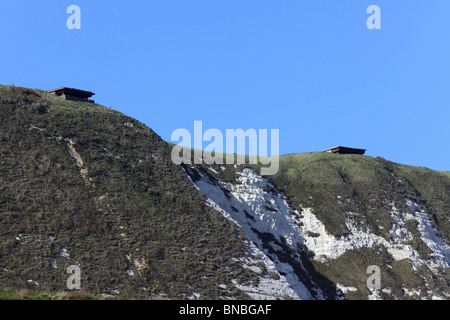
326,246
279,237
256,207
440,256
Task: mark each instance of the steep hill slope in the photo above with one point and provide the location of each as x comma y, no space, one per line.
339,214
373,212
81,184
84,185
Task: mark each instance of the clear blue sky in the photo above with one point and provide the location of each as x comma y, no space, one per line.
311,69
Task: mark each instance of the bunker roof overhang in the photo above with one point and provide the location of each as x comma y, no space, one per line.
341,149
72,92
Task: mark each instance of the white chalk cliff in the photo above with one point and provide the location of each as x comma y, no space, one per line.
278,235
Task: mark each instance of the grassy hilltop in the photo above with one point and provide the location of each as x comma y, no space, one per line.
82,184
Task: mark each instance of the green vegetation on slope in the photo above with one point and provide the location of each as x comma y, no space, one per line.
81,179
27,294
83,184
364,188
350,270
